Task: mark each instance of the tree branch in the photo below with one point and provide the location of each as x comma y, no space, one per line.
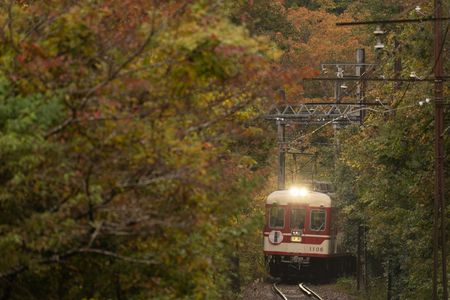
117,256
57,258
230,112
145,181
95,234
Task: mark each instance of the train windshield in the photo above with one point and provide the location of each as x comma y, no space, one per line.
297,218
276,217
318,219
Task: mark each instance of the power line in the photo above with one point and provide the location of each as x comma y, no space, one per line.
390,110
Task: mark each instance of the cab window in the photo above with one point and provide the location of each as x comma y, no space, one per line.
297,218
318,219
276,217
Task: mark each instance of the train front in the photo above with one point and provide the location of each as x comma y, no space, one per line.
297,234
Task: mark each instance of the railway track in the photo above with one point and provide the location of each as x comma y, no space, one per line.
303,292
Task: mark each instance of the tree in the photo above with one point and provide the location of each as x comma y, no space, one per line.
119,122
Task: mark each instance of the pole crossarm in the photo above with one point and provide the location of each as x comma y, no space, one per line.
429,19
300,152
347,64
317,113
358,78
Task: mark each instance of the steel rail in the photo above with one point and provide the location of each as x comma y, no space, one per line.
305,290
308,292
277,291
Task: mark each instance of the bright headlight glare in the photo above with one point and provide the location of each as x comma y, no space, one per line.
294,191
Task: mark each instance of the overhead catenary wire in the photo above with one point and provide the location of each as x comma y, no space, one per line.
334,120
373,69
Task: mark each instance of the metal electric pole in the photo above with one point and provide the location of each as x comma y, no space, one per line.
397,63
361,86
337,91
439,201
281,123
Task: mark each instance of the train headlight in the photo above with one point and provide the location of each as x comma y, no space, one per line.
296,239
298,191
296,236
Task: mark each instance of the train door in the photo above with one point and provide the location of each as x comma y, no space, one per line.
297,221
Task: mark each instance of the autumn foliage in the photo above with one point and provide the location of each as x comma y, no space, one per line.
135,156
122,127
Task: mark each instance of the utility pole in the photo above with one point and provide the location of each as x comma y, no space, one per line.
281,123
336,125
389,280
439,201
365,273
314,172
397,69
294,172
397,63
337,91
361,87
360,97
358,260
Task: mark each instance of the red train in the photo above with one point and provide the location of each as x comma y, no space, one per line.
301,235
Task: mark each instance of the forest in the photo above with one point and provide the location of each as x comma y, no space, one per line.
136,156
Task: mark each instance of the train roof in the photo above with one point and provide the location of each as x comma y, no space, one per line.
284,197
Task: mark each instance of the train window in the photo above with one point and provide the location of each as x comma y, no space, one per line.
318,219
297,218
276,217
